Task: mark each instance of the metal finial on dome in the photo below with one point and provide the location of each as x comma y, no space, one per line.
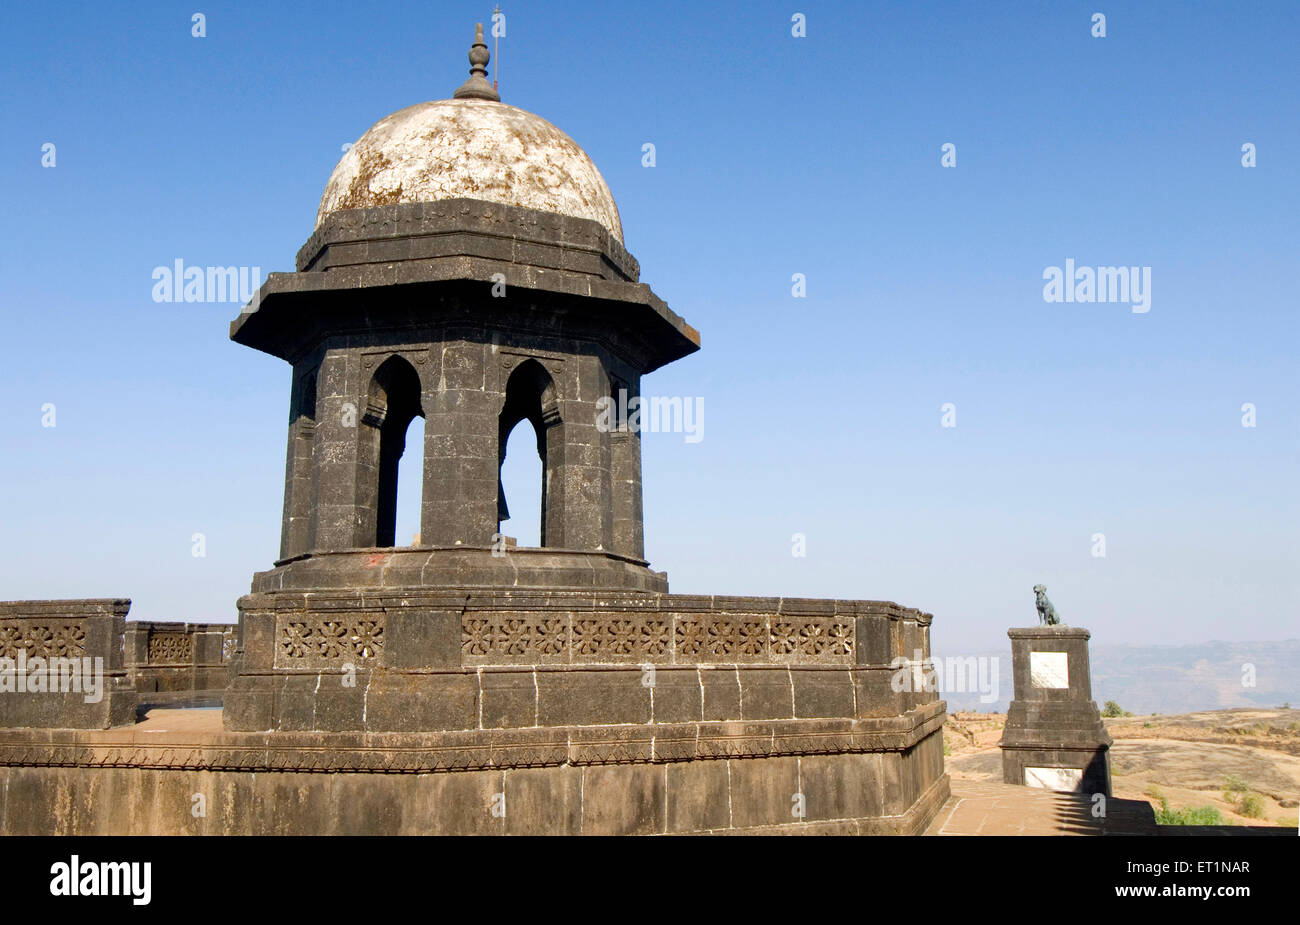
477,87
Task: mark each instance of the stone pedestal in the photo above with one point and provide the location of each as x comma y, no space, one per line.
1054,737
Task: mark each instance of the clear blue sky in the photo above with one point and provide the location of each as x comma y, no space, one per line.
775,155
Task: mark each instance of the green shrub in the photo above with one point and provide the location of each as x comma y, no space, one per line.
1197,815
1251,805
1112,709
1233,786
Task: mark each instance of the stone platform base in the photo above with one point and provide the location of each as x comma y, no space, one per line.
880,776
448,659
478,567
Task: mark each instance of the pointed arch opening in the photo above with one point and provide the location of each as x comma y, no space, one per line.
392,403
410,486
531,396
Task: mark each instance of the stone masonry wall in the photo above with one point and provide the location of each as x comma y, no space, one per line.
164,657
82,641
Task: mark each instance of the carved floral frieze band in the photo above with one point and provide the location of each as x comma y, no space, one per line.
522,638
303,643
170,648
42,638
526,638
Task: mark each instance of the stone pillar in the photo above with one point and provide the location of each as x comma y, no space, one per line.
582,463
1054,737
625,470
459,504
625,463
295,535
583,496
340,405
135,648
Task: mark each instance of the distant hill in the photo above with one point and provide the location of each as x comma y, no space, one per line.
1174,679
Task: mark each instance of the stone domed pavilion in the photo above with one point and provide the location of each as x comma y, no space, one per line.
467,266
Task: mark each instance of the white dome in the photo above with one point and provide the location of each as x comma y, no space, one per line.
470,149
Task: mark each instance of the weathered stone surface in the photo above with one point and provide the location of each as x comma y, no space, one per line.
763,791
698,795
626,800
675,694
720,687
841,786
822,692
766,693
509,698
544,801
448,149
591,697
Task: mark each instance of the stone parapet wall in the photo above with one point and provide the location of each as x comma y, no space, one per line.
426,659
879,776
62,665
843,795
164,657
